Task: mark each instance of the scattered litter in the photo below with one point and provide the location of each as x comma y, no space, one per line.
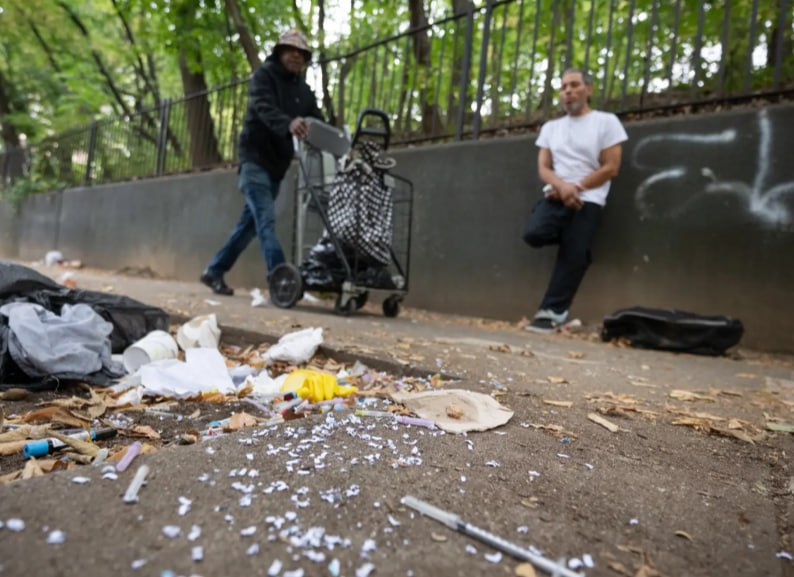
456,523
81,480
525,570
681,395
155,346
599,420
365,570
564,404
171,531
252,550
131,495
684,535
197,553
195,533
334,567
248,531
201,331
471,549
184,506
203,371
53,257
129,454
480,412
257,298
575,563
15,525
56,537
212,303
563,456
587,559
492,464
138,564
296,348
634,521
784,555
275,568
493,557
438,538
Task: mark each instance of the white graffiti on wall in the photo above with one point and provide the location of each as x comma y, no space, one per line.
763,202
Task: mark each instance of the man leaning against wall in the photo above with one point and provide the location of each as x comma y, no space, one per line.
579,155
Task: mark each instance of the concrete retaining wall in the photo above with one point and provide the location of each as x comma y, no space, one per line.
701,218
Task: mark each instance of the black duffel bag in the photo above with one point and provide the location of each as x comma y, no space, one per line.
673,330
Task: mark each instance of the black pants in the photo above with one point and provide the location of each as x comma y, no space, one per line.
553,223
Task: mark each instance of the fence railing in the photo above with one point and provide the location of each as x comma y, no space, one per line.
490,68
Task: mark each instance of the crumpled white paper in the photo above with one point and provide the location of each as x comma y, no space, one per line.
201,331
297,348
204,370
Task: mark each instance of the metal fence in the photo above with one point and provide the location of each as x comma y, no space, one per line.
491,68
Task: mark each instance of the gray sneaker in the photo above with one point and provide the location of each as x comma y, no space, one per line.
543,326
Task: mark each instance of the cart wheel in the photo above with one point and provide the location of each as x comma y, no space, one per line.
286,286
345,309
391,307
361,300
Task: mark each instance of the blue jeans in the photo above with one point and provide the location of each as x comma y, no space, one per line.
258,219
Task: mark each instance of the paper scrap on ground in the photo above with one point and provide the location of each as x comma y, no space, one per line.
297,348
477,412
202,331
204,370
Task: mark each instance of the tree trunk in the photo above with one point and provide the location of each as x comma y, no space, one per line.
203,142
12,162
421,49
246,39
459,7
328,103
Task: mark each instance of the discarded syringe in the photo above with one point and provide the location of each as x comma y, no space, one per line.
455,522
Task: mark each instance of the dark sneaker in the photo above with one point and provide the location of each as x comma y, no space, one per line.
218,286
543,326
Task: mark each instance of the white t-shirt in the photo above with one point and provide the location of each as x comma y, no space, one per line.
576,143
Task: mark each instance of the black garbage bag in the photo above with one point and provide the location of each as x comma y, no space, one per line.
673,330
131,319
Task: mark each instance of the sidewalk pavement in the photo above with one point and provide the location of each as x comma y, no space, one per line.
692,483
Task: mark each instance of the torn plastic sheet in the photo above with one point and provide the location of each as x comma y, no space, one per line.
204,370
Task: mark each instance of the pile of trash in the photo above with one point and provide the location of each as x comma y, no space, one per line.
136,368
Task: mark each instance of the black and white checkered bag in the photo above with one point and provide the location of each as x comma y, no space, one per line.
360,205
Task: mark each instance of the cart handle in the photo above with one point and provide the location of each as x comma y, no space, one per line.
383,131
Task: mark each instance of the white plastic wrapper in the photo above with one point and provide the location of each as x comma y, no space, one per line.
296,348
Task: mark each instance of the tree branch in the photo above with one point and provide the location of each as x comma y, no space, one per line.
246,40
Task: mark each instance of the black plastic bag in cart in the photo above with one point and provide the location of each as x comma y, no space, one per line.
360,205
673,330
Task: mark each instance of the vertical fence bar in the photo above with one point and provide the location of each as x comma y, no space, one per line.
696,52
547,97
89,165
605,80
373,85
674,50
464,77
486,37
392,82
162,136
629,46
748,67
436,107
532,58
514,73
403,82
723,47
646,75
589,36
785,12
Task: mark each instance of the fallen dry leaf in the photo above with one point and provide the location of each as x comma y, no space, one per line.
503,348
682,395
780,427
576,355
25,432
14,394
239,421
531,503
556,380
684,535
82,447
143,431
32,469
525,570
599,420
438,537
55,415
557,430
619,567
747,375
11,448
565,404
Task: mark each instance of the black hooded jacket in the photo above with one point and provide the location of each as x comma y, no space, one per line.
275,97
